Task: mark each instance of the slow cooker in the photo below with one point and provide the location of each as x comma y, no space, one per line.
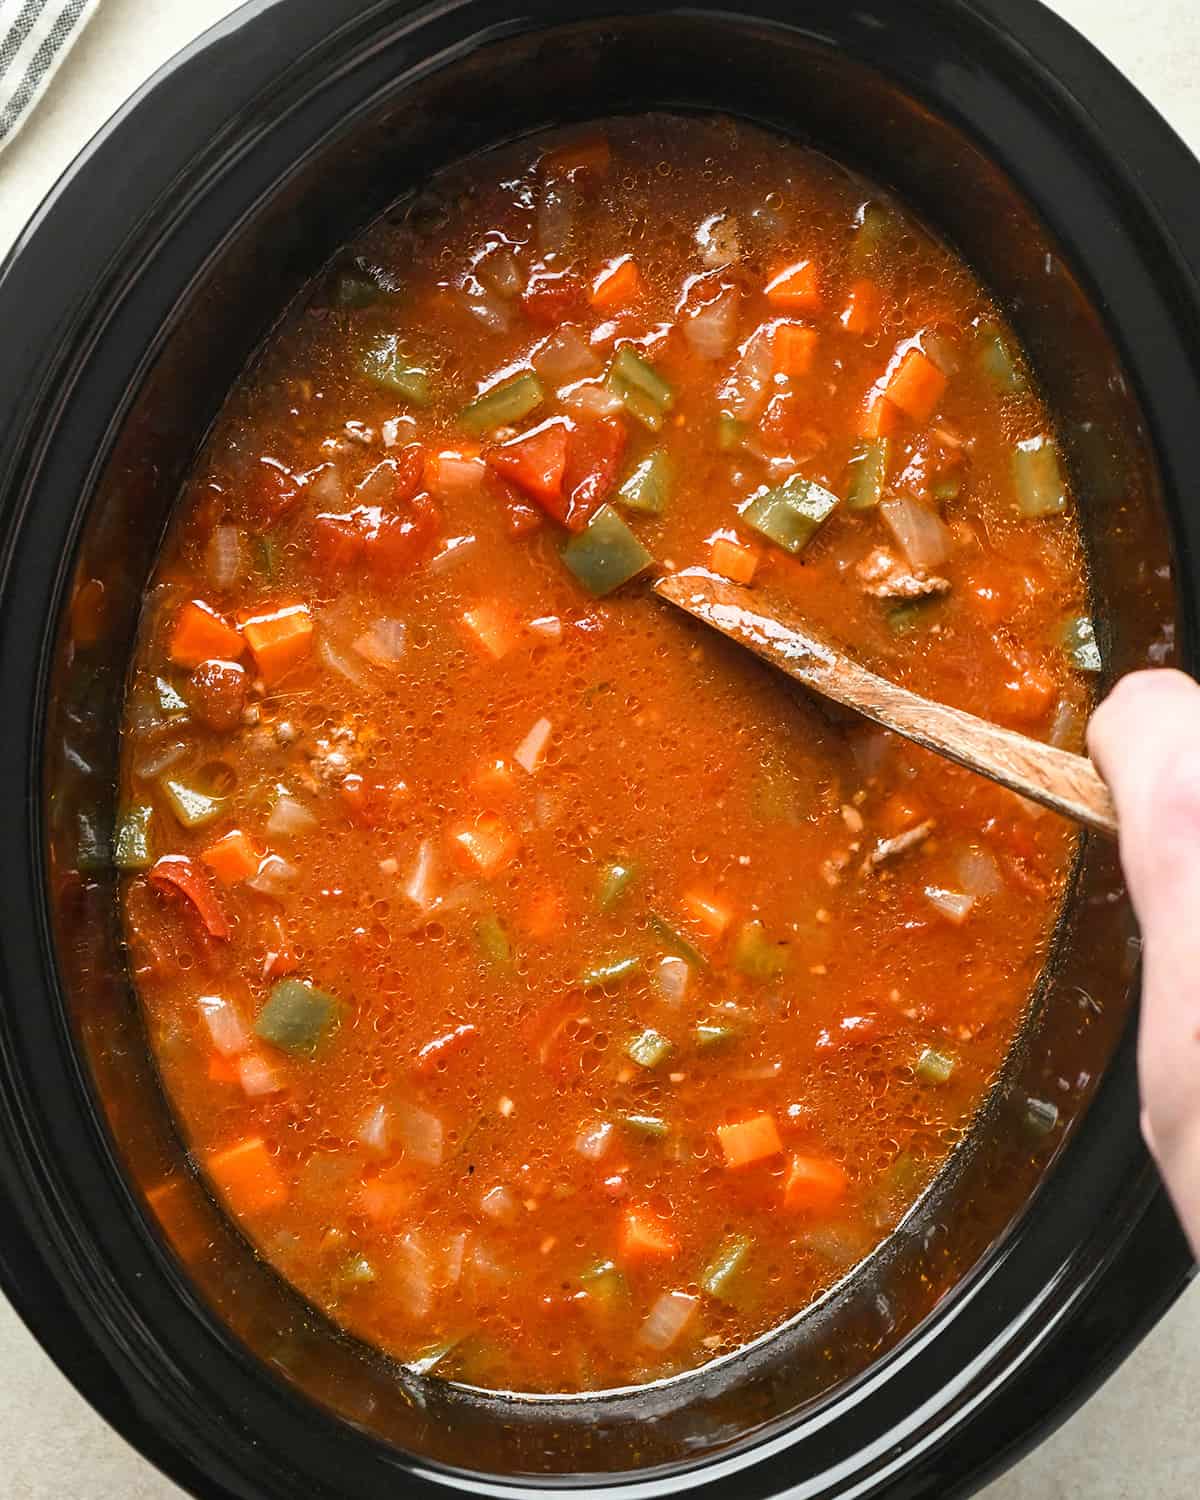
131,302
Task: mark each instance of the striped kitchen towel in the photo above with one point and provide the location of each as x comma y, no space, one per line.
35,36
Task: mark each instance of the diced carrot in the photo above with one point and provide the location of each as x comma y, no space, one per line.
814,1185
748,1141
1027,695
916,386
232,858
620,282
544,916
879,418
709,914
645,1236
222,1069
796,287
280,640
384,1198
732,560
535,462
486,845
792,348
495,781
247,1175
863,309
433,1054
591,153
201,634
491,627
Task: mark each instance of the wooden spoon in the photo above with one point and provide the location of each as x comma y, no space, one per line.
773,630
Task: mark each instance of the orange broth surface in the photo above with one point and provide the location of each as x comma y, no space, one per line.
556,997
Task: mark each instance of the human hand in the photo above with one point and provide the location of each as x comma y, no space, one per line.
1145,740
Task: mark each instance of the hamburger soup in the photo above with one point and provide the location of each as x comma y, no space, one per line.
551,993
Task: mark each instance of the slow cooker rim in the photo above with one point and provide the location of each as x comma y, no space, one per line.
22,1266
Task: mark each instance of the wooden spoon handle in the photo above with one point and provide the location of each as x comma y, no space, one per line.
772,629
1068,783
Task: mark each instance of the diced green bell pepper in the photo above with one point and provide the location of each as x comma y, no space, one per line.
755,955
605,1285
504,404
1078,637
649,1049
601,975
866,473
731,433
193,808
296,1016
385,363
720,1276
792,514
605,554
998,363
615,880
874,225
1037,475
648,488
132,849
645,394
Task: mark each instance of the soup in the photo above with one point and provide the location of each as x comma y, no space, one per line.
551,993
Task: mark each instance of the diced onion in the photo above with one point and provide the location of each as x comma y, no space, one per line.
667,1319
325,487
564,355
274,876
500,1203
488,307
711,329
744,393
499,270
555,218
547,808
593,1141
591,398
337,661
374,1132
530,753
452,477
223,558
418,1134
456,1249
955,906
547,628
413,1281
420,885
673,975
224,1025
383,643
451,550
155,761
919,533
978,873
289,817
257,1076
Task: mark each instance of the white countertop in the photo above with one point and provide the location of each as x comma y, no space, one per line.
1137,1439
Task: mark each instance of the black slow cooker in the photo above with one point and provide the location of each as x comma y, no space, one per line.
128,307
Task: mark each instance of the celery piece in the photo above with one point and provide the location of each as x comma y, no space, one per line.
493,941
385,363
731,433
605,554
675,942
615,880
1037,475
296,1016
791,515
934,1066
648,1127
193,808
647,489
645,394
132,849
997,361
605,1286
602,975
503,404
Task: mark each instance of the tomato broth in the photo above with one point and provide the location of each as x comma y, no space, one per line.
550,992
